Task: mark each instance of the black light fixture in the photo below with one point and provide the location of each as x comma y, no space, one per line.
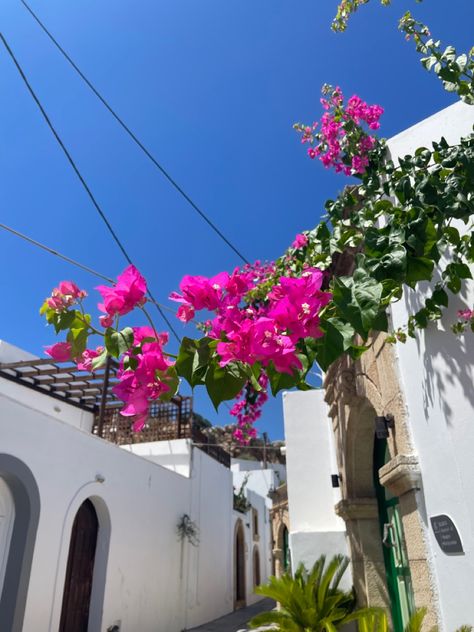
382,425
335,480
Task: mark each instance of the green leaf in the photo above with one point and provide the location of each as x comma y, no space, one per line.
172,380
419,269
358,300
223,383
440,297
118,342
193,359
337,339
281,381
63,320
77,336
99,361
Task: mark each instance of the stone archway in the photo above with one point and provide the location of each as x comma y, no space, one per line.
356,392
239,566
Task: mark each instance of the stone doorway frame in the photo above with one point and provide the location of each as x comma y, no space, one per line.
356,392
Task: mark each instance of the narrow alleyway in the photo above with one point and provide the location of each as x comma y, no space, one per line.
236,621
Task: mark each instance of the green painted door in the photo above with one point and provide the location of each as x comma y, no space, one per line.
394,551
286,550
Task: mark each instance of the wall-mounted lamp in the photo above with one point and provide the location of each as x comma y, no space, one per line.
335,480
382,425
99,478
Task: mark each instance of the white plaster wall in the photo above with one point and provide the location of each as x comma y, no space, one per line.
263,543
259,480
175,455
153,584
315,529
437,373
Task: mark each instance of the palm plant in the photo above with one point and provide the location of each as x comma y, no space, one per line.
310,602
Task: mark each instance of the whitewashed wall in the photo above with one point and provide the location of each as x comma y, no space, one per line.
315,529
259,482
152,582
437,374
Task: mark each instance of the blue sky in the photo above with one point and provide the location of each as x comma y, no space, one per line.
212,88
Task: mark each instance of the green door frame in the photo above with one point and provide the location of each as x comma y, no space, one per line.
397,569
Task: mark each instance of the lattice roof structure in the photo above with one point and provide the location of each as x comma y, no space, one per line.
93,393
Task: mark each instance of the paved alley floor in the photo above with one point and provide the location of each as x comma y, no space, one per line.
236,621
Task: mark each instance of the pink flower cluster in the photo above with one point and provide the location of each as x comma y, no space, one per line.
267,332
120,299
62,352
144,372
148,379
247,409
466,314
300,241
65,295
342,142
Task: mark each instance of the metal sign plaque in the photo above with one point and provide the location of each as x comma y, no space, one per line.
446,534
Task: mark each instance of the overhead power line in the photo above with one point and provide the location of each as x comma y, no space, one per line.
135,139
73,262
79,175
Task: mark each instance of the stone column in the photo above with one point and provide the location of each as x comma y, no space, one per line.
368,568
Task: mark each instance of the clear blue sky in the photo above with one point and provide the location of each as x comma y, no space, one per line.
213,88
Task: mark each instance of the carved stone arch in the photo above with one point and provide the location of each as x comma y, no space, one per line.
357,392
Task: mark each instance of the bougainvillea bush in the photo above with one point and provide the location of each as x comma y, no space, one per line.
396,226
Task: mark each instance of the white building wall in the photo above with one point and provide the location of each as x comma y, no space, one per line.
437,375
315,529
153,582
259,482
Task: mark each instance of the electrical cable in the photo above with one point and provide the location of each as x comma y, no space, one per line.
136,140
79,175
73,262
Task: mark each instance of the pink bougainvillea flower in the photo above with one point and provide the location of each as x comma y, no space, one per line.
128,293
202,292
106,320
185,312
466,314
85,361
300,241
69,288
66,294
60,351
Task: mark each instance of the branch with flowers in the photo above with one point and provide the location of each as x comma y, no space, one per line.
265,325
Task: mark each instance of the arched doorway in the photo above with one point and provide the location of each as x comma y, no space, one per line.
20,510
80,569
7,517
256,568
239,566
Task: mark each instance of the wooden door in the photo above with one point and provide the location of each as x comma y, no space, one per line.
80,568
239,567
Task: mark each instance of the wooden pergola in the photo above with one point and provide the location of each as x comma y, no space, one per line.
92,392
